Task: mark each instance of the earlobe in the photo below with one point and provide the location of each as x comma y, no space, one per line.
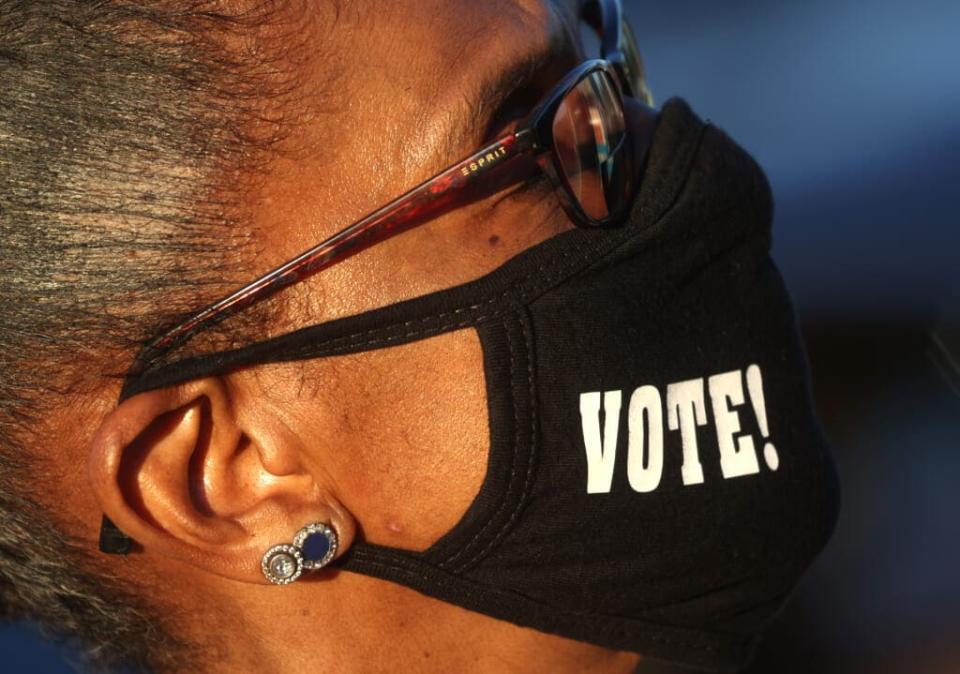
177,471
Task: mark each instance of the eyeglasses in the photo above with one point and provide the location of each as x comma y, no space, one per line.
576,135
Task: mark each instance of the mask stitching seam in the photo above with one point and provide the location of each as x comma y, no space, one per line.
528,479
513,468
521,295
570,259
614,629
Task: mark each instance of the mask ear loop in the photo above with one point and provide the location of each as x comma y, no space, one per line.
112,540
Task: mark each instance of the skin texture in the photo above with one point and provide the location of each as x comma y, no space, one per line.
390,445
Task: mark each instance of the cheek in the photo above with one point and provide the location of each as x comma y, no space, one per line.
402,434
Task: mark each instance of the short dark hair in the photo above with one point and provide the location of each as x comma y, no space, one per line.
118,121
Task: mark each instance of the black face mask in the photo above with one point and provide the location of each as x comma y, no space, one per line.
657,481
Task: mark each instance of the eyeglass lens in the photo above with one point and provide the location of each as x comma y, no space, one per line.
633,65
589,139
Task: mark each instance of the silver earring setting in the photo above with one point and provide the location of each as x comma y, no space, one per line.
313,548
282,564
317,543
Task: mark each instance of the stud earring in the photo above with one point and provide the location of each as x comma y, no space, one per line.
317,543
314,546
282,564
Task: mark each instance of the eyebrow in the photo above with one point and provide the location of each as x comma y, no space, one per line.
497,88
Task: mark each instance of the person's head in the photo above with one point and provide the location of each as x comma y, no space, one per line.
156,155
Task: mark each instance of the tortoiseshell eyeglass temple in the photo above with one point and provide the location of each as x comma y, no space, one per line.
483,173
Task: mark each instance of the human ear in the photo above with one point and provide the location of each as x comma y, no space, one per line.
190,476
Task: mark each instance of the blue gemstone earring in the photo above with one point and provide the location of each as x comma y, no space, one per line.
313,548
318,545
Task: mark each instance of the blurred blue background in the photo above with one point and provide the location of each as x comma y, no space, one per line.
850,108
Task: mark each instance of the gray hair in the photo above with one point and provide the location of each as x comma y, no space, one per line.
118,121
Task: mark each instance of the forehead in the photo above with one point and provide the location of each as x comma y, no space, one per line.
427,50
445,25
391,90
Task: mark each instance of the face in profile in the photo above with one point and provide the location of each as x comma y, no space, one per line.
337,303
333,109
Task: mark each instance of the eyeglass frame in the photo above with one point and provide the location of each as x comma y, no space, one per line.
427,200
618,45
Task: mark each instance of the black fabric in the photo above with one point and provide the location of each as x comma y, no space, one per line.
682,299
